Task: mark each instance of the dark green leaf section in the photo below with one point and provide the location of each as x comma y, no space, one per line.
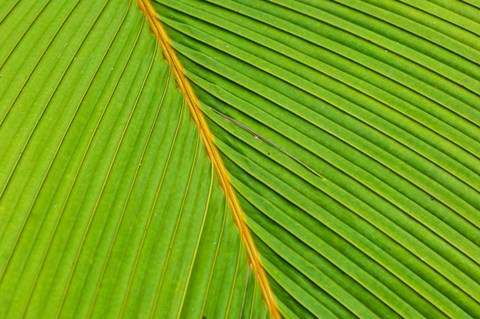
350,130
109,204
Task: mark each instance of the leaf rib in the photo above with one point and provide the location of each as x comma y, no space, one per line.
207,137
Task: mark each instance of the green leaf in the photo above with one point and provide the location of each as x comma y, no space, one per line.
109,204
349,131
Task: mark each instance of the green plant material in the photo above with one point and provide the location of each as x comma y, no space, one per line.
350,131
109,205
382,101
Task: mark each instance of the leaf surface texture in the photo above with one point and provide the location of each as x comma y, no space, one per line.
109,204
350,130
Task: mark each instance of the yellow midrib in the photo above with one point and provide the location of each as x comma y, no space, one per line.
207,137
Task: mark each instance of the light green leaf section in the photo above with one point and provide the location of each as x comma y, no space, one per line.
351,133
109,204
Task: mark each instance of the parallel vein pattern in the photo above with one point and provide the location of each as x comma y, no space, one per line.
217,162
381,99
109,204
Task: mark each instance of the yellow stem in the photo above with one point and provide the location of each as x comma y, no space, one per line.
207,137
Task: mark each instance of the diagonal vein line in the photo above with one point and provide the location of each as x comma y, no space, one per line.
177,226
197,245
207,137
245,293
214,263
264,139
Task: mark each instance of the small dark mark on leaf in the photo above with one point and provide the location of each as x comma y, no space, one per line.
264,139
